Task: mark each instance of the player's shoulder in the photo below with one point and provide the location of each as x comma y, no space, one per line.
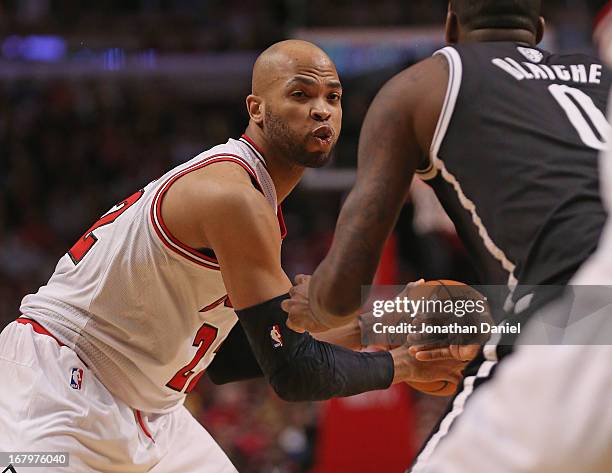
416,83
216,171
224,184
227,203
422,72
216,202
230,150
217,180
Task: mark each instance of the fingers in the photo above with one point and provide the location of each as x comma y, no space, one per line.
415,283
301,279
464,352
298,292
410,285
431,352
294,320
436,354
287,305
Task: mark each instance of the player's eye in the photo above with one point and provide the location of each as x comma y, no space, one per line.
334,96
298,93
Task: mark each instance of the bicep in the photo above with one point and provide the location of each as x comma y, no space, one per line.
388,147
394,138
246,241
388,154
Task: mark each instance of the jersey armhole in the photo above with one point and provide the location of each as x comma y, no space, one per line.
197,256
455,74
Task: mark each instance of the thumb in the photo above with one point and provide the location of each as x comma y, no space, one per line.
294,327
434,355
468,352
286,305
300,278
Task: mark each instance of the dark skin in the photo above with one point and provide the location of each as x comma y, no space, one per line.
295,119
395,140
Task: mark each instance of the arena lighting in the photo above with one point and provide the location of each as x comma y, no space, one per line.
34,48
114,59
361,50
357,51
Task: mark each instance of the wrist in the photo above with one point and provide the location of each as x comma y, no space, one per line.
402,367
325,318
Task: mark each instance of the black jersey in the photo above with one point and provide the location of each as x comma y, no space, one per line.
514,160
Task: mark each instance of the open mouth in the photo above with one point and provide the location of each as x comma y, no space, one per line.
324,134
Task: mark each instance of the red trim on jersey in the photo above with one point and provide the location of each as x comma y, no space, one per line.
194,381
252,143
38,328
164,233
142,425
281,222
603,13
212,305
279,211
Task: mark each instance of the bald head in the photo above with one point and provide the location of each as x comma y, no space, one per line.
295,105
283,59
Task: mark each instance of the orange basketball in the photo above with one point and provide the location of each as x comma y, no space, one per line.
441,289
441,388
435,388
443,282
449,289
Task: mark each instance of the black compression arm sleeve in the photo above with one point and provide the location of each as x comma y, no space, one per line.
235,360
300,368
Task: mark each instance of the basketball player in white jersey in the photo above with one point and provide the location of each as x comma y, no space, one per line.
100,361
563,422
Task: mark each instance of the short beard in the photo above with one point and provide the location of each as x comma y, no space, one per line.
291,146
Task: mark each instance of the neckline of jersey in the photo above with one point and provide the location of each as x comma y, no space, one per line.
254,148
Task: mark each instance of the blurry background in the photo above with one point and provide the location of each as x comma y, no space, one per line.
97,98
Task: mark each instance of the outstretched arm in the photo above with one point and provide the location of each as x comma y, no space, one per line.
241,227
395,137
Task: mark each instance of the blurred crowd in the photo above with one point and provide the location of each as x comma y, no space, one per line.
221,25
71,148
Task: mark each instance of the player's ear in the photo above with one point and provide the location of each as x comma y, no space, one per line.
255,108
452,27
540,30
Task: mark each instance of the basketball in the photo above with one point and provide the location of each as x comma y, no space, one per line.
438,388
435,388
444,283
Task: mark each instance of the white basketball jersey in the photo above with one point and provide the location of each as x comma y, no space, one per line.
144,311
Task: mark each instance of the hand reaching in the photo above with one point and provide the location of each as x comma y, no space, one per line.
301,318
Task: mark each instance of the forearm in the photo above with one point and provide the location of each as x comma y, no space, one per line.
387,157
347,336
335,287
323,371
300,368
